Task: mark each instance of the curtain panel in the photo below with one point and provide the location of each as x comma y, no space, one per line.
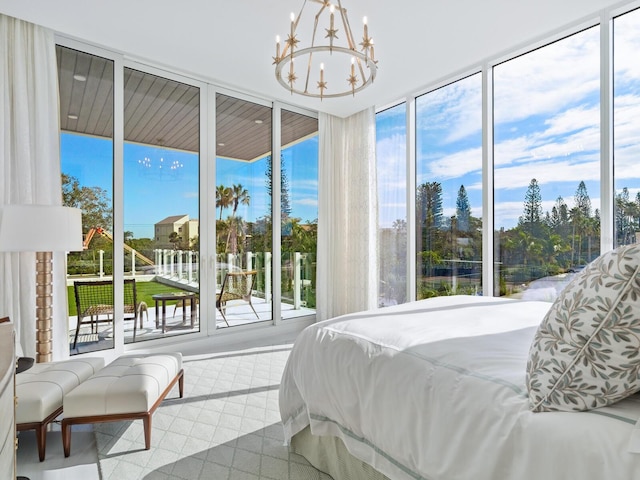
30,169
347,274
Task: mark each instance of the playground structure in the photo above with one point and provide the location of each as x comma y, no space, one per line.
101,231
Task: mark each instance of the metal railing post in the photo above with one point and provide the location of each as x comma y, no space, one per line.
267,277
297,282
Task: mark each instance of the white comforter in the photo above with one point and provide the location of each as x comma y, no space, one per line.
436,390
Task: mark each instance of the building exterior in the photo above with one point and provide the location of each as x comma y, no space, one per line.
185,228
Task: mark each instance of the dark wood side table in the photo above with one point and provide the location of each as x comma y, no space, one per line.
24,363
161,299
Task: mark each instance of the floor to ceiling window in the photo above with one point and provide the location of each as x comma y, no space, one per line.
391,145
244,244
139,178
298,213
541,147
161,218
546,164
626,114
86,153
449,189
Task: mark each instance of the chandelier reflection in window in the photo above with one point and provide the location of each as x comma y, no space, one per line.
161,168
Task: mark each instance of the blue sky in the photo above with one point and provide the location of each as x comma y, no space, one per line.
159,182
546,126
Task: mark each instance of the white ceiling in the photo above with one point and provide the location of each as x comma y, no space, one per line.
418,42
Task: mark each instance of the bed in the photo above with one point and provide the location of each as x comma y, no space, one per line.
436,390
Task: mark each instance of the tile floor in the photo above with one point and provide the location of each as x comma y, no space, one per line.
226,427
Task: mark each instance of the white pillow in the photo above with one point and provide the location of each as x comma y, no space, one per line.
586,352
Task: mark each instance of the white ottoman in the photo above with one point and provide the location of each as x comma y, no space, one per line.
40,391
129,388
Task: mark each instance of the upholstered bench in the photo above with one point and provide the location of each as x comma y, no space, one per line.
129,388
40,391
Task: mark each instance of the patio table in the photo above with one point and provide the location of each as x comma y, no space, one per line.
161,299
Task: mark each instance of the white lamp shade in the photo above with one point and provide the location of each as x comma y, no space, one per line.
40,228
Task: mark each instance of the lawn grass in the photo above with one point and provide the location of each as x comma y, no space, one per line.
144,291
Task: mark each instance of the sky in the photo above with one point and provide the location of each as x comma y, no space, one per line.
159,183
546,126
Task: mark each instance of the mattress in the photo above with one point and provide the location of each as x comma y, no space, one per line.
435,389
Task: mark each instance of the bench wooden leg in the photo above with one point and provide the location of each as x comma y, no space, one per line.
66,438
41,440
181,383
147,431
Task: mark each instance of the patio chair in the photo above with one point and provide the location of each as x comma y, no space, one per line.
95,298
236,286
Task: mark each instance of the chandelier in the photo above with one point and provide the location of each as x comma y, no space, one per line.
349,68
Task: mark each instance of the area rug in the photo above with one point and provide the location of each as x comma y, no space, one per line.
226,427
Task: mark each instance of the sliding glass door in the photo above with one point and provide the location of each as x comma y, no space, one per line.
131,155
161,238
243,216
298,213
87,159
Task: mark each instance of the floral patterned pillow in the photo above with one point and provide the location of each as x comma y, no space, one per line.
586,352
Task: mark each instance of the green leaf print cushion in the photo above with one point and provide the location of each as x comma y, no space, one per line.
586,352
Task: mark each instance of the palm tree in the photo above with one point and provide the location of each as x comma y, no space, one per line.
239,195
224,198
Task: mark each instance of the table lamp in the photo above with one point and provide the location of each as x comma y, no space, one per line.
42,229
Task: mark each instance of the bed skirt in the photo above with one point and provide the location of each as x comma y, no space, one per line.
329,455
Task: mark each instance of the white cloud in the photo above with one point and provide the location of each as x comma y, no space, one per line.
455,165
306,202
545,173
554,90
548,79
627,45
455,110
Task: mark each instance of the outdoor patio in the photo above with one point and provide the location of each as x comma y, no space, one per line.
238,313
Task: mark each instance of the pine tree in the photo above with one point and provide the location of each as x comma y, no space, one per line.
582,200
429,204
429,219
285,204
532,213
463,210
559,218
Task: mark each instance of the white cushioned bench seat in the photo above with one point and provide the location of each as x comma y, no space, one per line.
131,387
41,390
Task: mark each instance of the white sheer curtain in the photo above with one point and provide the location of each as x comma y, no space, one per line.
347,272
30,168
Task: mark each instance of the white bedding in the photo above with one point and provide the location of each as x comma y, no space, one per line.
435,390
